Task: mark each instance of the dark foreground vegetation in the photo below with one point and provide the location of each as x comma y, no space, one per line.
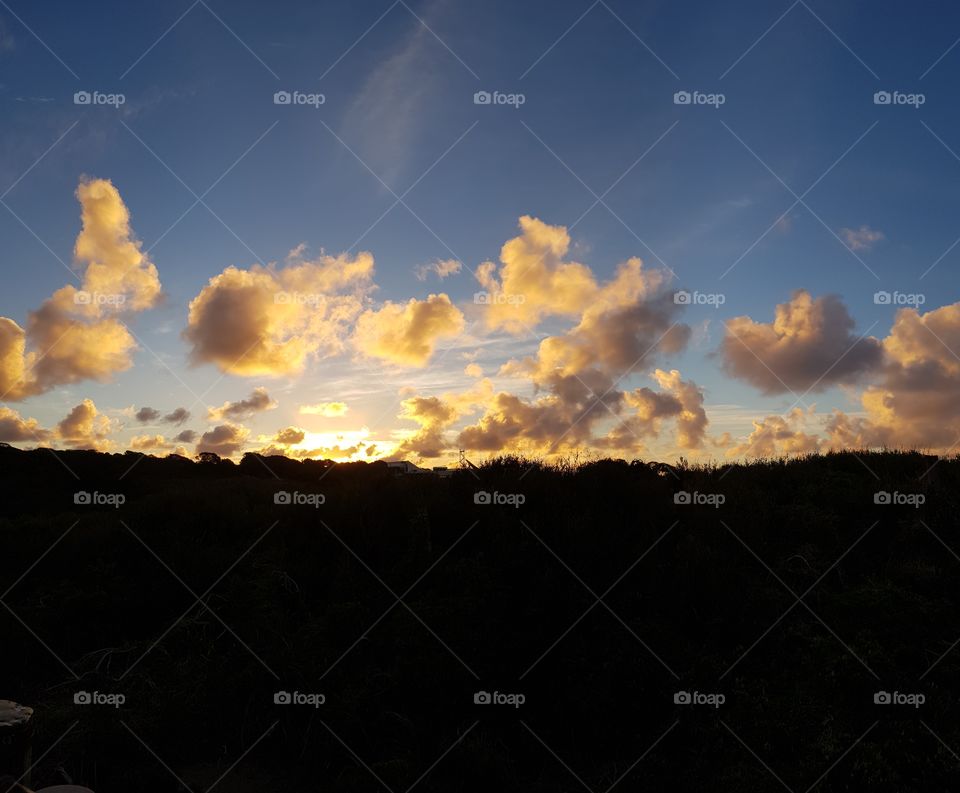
597,599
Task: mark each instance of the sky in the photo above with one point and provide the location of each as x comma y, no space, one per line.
366,230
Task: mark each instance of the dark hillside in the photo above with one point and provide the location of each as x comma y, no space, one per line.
782,599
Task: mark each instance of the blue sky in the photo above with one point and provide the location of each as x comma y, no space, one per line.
598,82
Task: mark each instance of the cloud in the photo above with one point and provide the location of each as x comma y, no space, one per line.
389,116
533,280
187,436
916,401
148,415
436,415
258,401
407,334
78,334
692,418
290,436
85,427
14,428
779,436
327,409
142,443
177,416
473,370
862,239
224,440
809,346
441,268
272,320
627,322
622,327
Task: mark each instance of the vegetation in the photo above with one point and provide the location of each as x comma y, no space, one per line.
200,597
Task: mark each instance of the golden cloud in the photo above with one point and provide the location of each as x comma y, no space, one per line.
77,334
225,440
408,334
326,409
809,346
258,401
272,320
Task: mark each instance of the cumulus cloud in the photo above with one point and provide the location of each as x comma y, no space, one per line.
258,401
85,427
224,440
272,320
177,416
861,239
916,401
327,409
14,428
407,334
145,415
810,345
779,436
290,436
436,415
143,443
78,334
441,268
187,436
622,327
534,280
